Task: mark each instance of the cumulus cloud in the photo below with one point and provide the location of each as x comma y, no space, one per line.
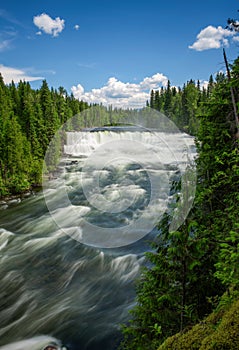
212,38
120,94
15,74
236,38
154,81
49,25
77,27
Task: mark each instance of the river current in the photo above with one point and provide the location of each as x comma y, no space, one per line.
59,285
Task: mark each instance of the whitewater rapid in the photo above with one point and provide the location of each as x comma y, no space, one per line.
63,281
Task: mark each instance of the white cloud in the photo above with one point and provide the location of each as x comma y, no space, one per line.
153,82
211,38
39,33
77,27
15,74
236,38
4,45
204,84
7,36
49,25
120,94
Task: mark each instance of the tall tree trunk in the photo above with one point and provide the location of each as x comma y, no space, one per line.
232,94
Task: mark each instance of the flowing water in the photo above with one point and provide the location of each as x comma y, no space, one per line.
59,284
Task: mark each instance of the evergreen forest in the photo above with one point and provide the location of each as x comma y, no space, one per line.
187,294
28,120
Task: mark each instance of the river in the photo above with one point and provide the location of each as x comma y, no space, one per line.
68,260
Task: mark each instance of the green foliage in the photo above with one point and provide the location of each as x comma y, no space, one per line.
197,263
173,290
28,121
219,331
182,106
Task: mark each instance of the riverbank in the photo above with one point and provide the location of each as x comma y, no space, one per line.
9,200
219,330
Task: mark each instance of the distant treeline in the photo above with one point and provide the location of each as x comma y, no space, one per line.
184,105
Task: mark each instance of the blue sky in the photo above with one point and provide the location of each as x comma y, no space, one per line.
114,52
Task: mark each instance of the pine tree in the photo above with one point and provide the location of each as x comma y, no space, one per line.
16,156
152,102
50,117
168,100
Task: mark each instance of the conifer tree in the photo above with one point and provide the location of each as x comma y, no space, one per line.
200,260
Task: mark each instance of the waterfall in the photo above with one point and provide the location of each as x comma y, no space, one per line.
171,146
